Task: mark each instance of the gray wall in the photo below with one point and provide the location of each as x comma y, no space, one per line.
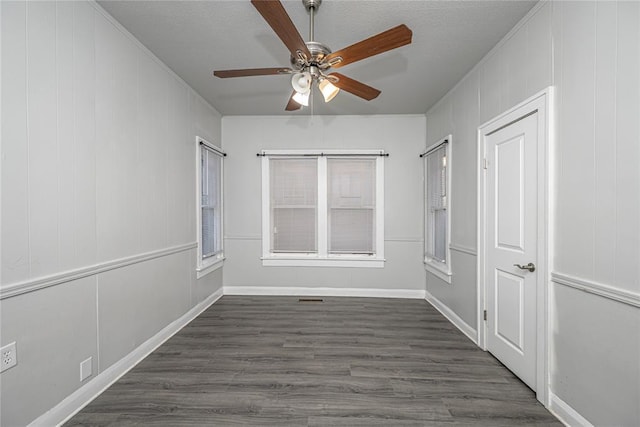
518,68
98,170
401,136
98,159
590,52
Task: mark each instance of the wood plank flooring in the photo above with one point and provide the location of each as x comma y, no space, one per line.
275,361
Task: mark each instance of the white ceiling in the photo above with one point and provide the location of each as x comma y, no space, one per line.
196,37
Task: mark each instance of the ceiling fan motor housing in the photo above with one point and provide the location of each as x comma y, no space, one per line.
318,52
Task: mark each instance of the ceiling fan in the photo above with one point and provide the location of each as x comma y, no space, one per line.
311,61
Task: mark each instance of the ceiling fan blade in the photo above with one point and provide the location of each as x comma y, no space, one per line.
276,16
223,74
292,105
355,87
383,42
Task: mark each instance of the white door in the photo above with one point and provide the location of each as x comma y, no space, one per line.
511,222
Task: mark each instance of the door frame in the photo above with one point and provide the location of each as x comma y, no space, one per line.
542,103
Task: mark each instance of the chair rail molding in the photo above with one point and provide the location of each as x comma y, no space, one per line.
463,249
606,291
38,283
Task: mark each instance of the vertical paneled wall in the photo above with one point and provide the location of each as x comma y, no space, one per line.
98,178
519,67
597,227
598,72
590,53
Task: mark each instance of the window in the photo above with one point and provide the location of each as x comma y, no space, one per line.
437,164
210,247
351,205
323,209
294,205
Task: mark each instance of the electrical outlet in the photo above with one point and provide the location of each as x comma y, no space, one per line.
9,356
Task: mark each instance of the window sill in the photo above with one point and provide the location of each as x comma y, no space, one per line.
439,270
315,261
209,267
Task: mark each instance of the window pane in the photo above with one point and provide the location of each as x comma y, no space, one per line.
294,229
440,235
435,205
351,205
294,195
211,203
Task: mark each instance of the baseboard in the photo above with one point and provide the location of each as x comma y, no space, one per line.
73,403
565,413
464,327
327,292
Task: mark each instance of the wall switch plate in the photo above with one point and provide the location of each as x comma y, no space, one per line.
9,356
85,369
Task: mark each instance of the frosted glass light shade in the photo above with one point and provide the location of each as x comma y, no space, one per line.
301,82
302,98
328,90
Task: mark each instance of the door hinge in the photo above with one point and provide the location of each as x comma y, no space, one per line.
485,164
485,315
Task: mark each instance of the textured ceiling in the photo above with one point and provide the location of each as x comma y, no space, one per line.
196,37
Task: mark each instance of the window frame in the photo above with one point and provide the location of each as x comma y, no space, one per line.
206,265
322,258
434,266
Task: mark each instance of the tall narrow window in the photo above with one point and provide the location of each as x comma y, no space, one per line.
323,208
437,161
210,240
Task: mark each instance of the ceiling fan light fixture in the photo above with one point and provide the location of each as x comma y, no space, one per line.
302,98
329,91
301,82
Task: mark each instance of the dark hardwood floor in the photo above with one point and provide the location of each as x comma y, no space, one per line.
275,361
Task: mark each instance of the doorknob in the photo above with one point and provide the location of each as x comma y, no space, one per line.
531,267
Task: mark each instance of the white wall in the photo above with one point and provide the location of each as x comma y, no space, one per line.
590,52
518,68
98,198
596,340
401,136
